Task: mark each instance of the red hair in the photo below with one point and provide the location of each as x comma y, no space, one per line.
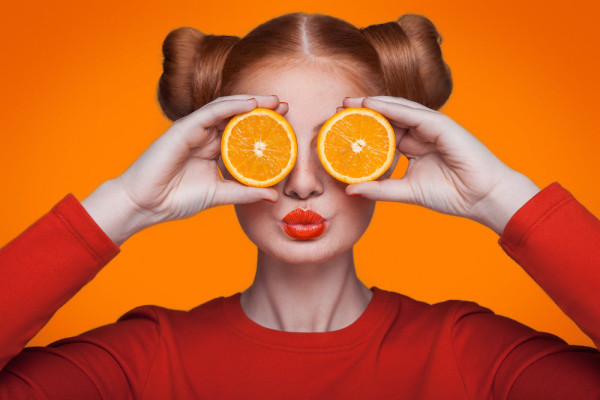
401,58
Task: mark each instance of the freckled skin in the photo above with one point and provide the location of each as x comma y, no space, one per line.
313,94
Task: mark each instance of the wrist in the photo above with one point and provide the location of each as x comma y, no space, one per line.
115,214
498,207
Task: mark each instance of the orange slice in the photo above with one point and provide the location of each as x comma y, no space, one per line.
259,147
356,145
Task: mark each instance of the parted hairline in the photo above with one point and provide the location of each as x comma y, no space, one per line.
344,65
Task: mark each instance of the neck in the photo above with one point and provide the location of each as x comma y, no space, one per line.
305,298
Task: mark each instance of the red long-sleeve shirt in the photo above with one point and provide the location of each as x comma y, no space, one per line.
398,348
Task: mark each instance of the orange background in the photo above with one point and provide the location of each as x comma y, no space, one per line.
79,105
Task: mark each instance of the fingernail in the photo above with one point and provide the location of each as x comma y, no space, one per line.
269,200
274,95
284,102
253,98
354,194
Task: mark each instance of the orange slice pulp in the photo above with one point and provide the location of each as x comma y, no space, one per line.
259,147
356,145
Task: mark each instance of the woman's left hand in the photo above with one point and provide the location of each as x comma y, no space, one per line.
449,169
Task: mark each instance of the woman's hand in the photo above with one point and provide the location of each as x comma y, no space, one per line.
449,170
177,176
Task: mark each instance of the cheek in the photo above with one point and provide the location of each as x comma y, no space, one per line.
359,212
353,215
255,219
250,212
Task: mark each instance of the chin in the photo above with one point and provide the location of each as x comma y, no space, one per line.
302,252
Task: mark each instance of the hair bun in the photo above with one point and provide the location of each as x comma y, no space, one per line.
192,70
411,59
426,41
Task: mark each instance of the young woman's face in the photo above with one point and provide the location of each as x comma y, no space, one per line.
313,93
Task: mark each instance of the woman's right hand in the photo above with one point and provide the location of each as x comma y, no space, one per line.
177,176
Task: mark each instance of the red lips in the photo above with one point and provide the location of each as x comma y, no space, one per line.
303,224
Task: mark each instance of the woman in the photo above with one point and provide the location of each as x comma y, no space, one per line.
307,327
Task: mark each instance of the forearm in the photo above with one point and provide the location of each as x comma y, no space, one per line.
44,267
557,242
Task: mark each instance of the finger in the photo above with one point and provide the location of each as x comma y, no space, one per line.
282,108
232,192
263,101
426,125
400,133
358,102
210,149
233,97
401,100
223,124
410,145
448,137
211,113
193,128
352,102
213,108
271,102
384,190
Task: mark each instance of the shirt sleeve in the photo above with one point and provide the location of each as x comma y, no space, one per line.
40,270
500,358
110,362
556,240
562,375
43,267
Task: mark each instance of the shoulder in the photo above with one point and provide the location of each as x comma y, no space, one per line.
148,324
162,316
448,311
206,321
464,323
464,314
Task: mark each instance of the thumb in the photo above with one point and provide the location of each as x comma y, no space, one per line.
385,190
236,193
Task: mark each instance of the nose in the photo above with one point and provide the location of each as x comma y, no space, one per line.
305,180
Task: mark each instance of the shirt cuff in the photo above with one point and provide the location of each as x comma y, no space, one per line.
79,223
531,215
